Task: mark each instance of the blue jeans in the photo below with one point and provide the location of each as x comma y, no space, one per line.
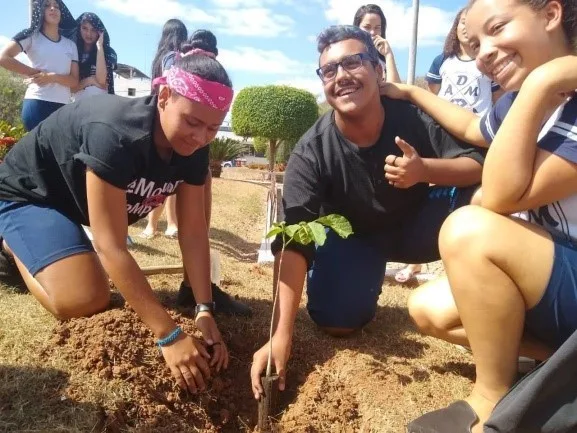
346,277
35,111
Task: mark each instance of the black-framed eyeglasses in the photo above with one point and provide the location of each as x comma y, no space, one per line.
350,63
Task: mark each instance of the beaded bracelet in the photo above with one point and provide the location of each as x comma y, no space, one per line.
169,338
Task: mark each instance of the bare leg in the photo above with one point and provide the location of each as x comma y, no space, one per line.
207,213
75,286
433,309
171,223
497,268
152,225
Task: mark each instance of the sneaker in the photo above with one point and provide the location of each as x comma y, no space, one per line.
224,303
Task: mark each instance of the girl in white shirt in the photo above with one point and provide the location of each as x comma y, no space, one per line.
54,59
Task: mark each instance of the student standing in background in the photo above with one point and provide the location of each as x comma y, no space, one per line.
54,59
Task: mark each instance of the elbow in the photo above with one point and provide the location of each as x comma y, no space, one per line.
496,206
101,82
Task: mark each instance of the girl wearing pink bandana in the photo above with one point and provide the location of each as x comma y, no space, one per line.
107,162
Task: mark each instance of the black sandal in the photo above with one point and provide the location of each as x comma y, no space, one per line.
458,417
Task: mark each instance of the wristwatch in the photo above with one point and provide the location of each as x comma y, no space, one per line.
206,306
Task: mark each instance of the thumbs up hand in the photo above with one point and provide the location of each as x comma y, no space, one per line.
407,170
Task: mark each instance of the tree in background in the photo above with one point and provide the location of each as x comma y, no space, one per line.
12,91
277,114
223,149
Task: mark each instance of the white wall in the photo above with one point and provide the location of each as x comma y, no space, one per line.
141,85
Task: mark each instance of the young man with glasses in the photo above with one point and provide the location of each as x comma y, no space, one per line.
372,160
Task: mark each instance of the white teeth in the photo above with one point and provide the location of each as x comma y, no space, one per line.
497,70
345,92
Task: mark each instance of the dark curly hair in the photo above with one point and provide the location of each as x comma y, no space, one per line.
452,44
569,16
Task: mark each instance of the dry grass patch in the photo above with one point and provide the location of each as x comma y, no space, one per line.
104,374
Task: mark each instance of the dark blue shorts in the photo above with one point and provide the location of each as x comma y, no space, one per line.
554,318
346,277
40,236
35,111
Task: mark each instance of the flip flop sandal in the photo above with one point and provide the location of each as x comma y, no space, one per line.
405,275
171,234
146,235
458,417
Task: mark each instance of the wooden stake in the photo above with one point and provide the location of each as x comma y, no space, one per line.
267,405
162,269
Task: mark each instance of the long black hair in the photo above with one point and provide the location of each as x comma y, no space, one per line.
66,26
110,57
174,34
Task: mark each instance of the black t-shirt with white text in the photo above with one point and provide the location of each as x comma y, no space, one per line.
327,173
110,135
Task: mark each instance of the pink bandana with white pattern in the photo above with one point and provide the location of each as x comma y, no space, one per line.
195,88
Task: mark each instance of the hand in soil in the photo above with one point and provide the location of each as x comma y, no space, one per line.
187,360
207,325
281,348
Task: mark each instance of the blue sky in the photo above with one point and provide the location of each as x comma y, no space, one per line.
260,41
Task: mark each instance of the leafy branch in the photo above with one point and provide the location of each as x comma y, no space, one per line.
302,233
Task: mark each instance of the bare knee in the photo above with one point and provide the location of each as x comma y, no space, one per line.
91,304
422,314
433,311
338,332
462,230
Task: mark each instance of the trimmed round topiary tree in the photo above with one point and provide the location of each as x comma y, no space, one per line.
277,113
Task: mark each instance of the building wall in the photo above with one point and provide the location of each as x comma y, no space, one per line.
122,85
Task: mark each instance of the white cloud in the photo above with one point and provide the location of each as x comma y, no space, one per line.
313,85
250,59
254,22
23,58
434,22
237,17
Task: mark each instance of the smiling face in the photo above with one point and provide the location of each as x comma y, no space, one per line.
510,39
52,12
371,23
187,125
350,92
89,33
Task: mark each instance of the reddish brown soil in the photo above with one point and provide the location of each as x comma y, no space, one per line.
116,345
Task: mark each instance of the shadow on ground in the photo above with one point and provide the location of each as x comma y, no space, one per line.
33,399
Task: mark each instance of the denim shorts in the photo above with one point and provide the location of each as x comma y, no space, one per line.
39,236
554,318
35,111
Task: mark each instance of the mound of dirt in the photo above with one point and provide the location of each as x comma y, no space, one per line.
115,345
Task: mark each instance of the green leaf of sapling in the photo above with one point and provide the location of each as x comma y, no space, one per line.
275,230
303,235
338,223
318,232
